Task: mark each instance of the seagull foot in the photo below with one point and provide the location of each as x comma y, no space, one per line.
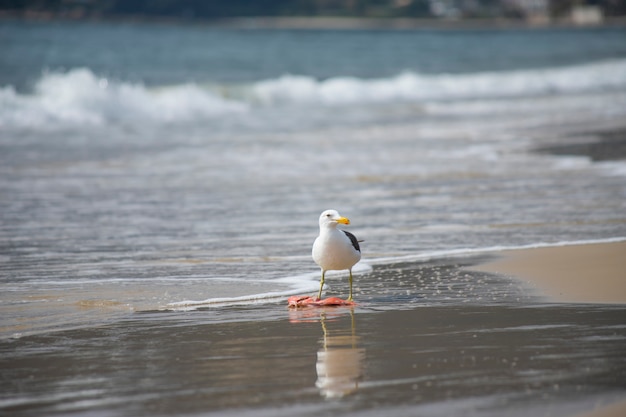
299,301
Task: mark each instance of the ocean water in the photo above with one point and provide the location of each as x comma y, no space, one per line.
159,193
148,167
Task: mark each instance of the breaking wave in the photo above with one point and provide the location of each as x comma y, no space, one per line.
80,97
410,86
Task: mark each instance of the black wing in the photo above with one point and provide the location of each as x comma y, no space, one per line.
353,239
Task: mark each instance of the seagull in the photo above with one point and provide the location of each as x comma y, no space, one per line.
335,249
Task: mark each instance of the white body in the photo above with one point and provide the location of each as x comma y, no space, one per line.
333,250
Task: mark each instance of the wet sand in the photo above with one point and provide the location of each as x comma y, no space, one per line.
593,273
578,273
435,361
607,145
614,410
426,338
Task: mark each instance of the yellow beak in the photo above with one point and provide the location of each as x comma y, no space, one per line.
343,220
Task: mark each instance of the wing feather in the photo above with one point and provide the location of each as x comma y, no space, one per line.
354,240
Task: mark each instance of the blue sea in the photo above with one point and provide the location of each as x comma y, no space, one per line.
159,170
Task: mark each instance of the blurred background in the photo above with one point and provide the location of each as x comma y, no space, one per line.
533,11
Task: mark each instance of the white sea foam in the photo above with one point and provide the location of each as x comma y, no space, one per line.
80,97
298,284
612,168
449,253
413,86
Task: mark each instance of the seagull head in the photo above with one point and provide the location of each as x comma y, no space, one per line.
330,218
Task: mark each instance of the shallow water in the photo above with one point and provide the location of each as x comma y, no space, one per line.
419,342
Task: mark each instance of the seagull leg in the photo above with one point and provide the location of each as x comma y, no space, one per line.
350,297
319,296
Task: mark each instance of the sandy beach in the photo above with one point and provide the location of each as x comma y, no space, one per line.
617,409
593,273
432,338
576,273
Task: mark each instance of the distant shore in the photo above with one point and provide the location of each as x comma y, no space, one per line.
321,23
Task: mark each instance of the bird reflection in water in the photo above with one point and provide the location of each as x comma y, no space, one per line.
340,361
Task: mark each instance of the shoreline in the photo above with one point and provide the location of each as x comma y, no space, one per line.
321,22
425,333
578,273
614,409
433,359
558,273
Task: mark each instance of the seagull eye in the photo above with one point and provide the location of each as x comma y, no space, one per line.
328,215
